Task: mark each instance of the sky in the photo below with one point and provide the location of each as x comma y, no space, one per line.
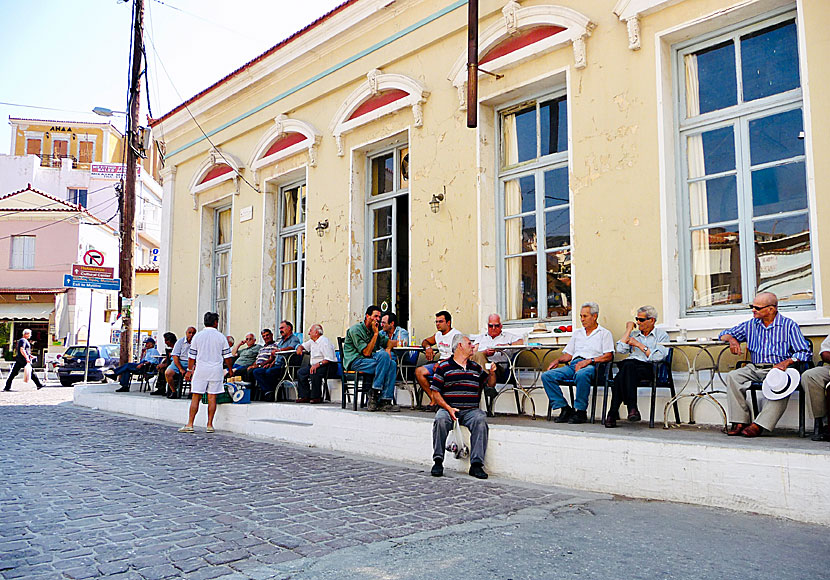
74,55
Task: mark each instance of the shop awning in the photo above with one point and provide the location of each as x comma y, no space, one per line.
26,310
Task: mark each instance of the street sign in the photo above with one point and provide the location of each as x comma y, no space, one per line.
97,272
70,281
94,258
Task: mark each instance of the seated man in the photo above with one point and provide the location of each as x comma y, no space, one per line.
363,352
149,357
390,329
643,346
779,347
263,356
166,362
322,364
487,342
815,384
180,359
589,345
457,383
245,352
268,375
443,340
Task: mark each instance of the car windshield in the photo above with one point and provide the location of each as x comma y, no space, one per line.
80,352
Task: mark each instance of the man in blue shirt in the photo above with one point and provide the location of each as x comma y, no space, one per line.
149,359
774,341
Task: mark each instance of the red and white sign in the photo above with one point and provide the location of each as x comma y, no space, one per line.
94,258
111,170
95,272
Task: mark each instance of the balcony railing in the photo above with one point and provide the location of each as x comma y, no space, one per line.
47,160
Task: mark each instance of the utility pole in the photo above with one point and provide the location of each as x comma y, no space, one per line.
472,63
126,266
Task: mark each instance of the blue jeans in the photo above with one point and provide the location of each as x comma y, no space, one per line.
266,380
125,373
583,379
385,369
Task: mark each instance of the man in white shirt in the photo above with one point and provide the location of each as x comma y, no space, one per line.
815,384
322,363
589,346
487,342
442,340
208,350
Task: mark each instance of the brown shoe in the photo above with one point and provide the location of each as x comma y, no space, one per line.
315,401
737,429
753,430
301,400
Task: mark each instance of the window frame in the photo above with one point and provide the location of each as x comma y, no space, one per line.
73,195
219,249
299,231
737,116
537,168
23,253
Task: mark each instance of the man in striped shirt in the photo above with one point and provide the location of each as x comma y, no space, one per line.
774,341
456,386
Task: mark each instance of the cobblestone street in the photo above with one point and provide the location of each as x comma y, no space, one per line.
88,495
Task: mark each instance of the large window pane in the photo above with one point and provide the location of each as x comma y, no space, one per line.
553,123
222,288
778,189
525,227
519,136
382,287
782,249
559,283
293,206
556,187
711,152
716,266
711,80
382,221
223,220
713,201
289,248
382,253
222,263
289,275
288,307
776,137
383,174
520,287
769,61
519,195
558,228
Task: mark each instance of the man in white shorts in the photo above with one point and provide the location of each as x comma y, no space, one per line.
208,350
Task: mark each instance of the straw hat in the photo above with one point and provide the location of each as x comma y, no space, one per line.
539,328
780,384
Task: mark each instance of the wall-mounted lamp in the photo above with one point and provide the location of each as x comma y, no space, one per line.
437,198
322,227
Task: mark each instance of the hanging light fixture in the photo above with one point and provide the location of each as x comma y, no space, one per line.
437,198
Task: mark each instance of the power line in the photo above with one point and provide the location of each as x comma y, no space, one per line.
50,224
44,108
10,212
228,163
203,19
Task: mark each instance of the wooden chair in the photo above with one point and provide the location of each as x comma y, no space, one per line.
354,382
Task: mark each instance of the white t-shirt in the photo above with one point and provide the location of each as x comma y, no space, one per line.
443,342
210,349
321,349
597,344
485,341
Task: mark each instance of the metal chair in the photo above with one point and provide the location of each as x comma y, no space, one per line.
354,382
662,378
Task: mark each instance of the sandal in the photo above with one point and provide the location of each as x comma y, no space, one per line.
186,429
210,430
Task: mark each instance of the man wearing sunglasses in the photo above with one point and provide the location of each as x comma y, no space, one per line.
487,343
773,341
643,345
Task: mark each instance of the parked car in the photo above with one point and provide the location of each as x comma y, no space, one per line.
102,358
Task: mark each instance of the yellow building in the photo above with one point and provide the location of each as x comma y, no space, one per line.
653,152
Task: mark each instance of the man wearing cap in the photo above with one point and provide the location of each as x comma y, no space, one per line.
774,342
815,383
149,357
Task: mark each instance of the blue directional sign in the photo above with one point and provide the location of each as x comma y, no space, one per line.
70,281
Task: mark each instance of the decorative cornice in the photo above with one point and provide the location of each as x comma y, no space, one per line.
631,11
215,157
375,83
283,125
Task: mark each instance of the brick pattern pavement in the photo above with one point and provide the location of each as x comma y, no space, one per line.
89,495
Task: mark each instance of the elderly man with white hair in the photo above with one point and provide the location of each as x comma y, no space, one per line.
456,386
643,345
590,345
322,363
775,342
489,341
22,357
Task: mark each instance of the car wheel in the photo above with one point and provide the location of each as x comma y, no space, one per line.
67,382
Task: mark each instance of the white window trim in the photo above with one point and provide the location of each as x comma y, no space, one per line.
288,232
216,250
215,157
284,125
551,161
33,135
669,158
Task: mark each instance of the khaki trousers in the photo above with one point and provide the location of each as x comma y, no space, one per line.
814,381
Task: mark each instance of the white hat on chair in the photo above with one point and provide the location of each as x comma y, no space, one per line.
780,384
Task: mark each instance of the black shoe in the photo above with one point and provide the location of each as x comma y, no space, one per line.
634,415
39,387
565,414
158,393
579,417
373,404
477,471
437,468
123,390
387,406
7,389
